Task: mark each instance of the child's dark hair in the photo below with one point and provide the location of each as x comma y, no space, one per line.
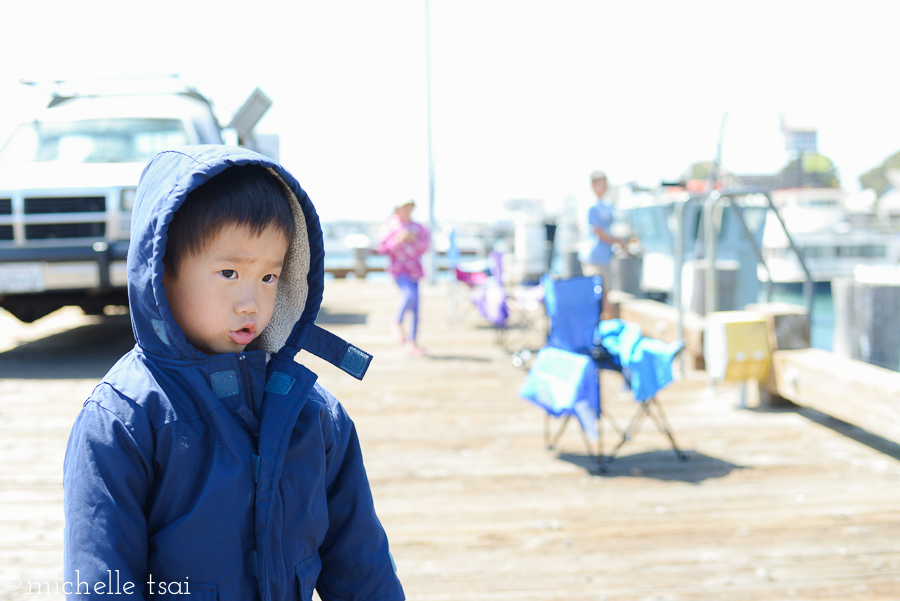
247,196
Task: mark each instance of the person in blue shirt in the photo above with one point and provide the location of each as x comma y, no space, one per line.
601,216
209,462
600,219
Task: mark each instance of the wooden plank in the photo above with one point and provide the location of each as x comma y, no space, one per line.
858,393
771,504
342,272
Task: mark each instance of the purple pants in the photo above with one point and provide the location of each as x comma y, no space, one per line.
408,302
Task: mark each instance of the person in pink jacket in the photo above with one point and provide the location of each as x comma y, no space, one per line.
404,241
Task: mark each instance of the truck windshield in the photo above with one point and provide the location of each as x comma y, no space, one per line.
93,140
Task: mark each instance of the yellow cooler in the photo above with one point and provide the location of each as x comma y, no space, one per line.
736,346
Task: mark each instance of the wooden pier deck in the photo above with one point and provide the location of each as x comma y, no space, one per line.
772,504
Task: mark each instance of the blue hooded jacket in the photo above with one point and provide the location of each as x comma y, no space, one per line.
232,476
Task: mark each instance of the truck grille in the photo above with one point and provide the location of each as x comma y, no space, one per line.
51,231
67,204
5,206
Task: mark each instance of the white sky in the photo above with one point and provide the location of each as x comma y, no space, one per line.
527,97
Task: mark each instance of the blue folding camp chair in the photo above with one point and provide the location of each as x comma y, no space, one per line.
479,282
516,316
488,295
525,331
564,377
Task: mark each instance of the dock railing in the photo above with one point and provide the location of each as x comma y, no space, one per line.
710,229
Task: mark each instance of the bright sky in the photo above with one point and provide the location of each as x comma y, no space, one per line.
528,97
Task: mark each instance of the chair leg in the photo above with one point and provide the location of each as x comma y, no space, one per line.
663,424
633,426
547,430
521,337
601,458
551,444
613,423
646,410
590,448
599,439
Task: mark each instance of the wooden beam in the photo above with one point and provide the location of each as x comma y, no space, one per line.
864,395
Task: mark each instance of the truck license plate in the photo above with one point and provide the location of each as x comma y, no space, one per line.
21,277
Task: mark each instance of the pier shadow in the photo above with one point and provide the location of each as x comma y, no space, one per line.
860,435
86,352
659,465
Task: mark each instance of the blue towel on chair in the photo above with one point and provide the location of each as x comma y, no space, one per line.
646,362
564,383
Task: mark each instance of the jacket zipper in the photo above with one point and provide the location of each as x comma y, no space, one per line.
254,458
246,378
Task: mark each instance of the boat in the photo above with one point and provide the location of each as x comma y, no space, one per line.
833,241
833,244
655,219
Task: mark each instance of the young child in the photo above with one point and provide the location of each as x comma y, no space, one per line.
404,241
208,462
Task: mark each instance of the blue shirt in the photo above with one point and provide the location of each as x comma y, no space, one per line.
601,214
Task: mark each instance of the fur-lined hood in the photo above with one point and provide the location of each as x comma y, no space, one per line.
165,184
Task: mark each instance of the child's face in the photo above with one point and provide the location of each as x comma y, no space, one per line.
405,212
224,296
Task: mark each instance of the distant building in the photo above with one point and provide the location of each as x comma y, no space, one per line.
766,182
799,139
806,167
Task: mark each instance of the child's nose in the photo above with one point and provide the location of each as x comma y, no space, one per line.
247,303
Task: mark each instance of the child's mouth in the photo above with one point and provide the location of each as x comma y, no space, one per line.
243,336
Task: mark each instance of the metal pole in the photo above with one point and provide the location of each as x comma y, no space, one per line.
431,219
710,235
709,300
756,249
808,283
677,294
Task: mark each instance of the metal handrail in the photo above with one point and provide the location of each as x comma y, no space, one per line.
679,266
710,235
710,232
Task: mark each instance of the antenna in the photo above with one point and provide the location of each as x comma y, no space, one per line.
717,164
126,84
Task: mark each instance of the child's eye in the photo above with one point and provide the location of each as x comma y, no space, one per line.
229,274
269,278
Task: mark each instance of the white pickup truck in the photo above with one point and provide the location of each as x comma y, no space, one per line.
67,184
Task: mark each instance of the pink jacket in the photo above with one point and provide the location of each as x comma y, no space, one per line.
405,256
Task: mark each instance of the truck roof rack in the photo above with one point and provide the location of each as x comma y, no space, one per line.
62,90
